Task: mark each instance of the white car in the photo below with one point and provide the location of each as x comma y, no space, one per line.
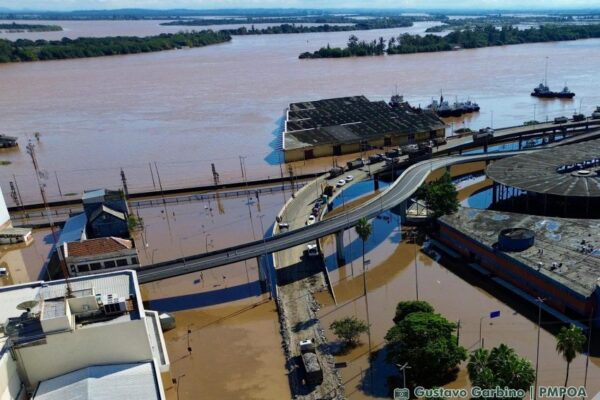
341,183
311,220
349,178
312,250
3,272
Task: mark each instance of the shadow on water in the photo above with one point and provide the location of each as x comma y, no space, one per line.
382,374
195,300
386,227
275,156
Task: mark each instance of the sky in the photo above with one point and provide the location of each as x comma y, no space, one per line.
64,5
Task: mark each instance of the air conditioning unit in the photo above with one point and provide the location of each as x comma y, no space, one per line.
111,304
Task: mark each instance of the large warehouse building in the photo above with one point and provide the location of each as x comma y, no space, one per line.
347,125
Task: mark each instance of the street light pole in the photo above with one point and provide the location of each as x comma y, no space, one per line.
403,368
480,331
414,236
206,242
537,355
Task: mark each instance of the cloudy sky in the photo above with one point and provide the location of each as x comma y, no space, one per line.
198,4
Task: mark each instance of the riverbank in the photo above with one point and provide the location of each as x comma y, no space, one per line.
41,50
476,37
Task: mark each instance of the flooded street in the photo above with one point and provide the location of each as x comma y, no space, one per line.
24,261
213,104
457,296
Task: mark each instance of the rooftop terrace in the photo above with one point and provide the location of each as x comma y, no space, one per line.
568,249
351,119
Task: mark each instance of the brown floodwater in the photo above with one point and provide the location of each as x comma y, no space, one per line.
186,109
392,278
24,261
236,353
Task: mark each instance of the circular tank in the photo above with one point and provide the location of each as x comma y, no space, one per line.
516,239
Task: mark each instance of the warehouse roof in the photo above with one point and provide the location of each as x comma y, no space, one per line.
350,120
571,170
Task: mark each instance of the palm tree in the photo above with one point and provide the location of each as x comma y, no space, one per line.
569,343
364,230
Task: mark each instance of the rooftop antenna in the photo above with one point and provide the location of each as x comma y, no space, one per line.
43,175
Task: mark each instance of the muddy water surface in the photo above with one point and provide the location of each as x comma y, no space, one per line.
186,109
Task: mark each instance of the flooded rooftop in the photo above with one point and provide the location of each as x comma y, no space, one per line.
565,250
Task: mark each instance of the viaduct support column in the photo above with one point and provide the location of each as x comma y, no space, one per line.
400,210
339,247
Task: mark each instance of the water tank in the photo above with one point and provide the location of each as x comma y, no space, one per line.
516,239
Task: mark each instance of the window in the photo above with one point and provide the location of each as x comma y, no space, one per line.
95,266
134,260
109,264
73,270
387,141
122,262
337,150
83,268
308,154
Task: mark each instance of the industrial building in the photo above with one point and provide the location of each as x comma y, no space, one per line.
563,181
345,125
556,259
88,337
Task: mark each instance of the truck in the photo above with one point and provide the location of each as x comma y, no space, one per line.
483,134
561,120
310,361
336,171
355,164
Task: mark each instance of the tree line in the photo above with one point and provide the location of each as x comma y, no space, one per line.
30,27
473,37
41,50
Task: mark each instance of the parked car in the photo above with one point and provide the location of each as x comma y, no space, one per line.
283,225
349,178
578,117
341,183
313,251
3,272
311,220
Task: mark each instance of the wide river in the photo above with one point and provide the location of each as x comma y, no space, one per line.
186,109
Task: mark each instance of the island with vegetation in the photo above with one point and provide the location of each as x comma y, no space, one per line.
296,25
41,50
14,27
475,37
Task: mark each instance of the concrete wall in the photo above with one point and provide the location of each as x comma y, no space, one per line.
326,150
73,263
4,217
112,343
10,384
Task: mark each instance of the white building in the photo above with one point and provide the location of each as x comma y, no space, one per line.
97,255
96,335
8,234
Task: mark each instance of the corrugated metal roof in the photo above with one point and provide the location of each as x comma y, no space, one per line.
350,120
103,382
73,230
537,172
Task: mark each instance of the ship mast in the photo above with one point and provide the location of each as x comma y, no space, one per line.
546,73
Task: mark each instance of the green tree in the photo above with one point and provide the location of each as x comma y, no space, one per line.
441,196
364,230
349,330
408,307
569,343
500,367
425,340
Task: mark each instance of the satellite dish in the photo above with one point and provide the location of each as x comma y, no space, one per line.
27,305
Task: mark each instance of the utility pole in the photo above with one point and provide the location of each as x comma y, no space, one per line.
152,175
367,309
458,332
124,181
31,151
589,344
13,194
537,355
414,237
58,184
215,174
18,193
291,173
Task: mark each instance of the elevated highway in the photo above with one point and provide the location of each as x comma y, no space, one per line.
400,191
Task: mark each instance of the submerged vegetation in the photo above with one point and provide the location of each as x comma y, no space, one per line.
295,25
475,37
39,50
14,27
